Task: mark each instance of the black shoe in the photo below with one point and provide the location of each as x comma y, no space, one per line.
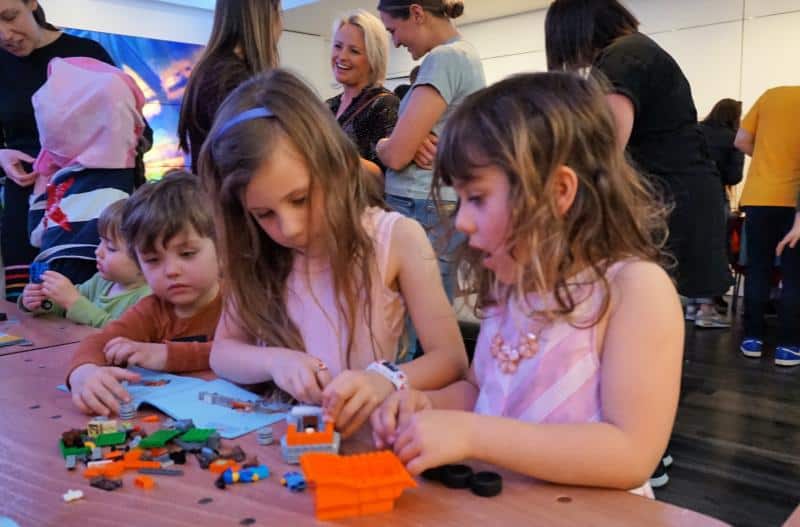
660,476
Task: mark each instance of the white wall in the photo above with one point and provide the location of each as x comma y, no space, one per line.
306,54
726,48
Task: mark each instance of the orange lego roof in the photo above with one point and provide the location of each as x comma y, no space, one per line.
357,471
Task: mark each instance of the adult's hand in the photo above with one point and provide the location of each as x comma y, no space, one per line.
11,163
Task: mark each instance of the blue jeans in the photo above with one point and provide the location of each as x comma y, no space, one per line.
765,227
425,212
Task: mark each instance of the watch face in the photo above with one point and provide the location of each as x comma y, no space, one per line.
391,366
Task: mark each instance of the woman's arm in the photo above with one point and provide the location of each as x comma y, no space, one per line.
416,268
422,113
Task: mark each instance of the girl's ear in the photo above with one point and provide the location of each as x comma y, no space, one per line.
417,13
566,187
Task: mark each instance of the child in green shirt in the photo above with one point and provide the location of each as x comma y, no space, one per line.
118,284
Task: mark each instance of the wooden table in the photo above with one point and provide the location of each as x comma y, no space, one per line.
43,332
33,478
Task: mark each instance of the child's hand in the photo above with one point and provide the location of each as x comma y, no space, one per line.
434,437
58,287
97,389
301,375
32,296
352,396
395,413
122,351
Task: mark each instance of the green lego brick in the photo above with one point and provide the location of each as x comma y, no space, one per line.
158,439
198,435
73,450
115,438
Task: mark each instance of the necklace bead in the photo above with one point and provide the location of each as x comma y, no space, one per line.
509,357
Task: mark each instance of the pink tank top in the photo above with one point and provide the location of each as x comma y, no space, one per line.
313,308
561,383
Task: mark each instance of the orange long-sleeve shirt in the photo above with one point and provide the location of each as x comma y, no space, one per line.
152,319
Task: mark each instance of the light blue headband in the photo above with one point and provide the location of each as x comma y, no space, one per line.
247,115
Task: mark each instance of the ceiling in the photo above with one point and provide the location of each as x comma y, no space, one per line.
316,18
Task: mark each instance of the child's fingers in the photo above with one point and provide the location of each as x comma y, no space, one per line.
406,408
324,378
357,420
407,448
418,465
106,393
112,384
91,401
77,400
335,396
349,411
308,389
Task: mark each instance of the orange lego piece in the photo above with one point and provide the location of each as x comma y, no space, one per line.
221,465
296,438
109,470
355,485
155,452
152,418
114,454
144,482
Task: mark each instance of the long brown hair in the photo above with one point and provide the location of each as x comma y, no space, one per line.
258,268
726,113
248,26
528,126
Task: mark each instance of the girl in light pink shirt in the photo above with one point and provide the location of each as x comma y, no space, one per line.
318,278
577,367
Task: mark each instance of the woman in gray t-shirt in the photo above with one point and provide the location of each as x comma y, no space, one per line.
450,71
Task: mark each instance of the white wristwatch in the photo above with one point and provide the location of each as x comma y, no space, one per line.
391,372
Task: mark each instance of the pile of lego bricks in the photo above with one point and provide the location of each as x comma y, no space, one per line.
110,449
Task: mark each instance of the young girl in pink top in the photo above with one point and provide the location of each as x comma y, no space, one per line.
318,281
577,367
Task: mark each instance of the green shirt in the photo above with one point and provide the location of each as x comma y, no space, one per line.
95,307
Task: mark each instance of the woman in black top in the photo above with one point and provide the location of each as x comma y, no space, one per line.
365,109
657,122
243,42
27,44
719,129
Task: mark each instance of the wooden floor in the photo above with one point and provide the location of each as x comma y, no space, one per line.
736,441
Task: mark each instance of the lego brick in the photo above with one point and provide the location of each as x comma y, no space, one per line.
72,495
158,439
117,438
161,471
106,484
144,482
197,435
72,451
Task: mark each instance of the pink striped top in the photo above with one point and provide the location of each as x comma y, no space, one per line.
561,383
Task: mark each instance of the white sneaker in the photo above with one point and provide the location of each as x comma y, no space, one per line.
712,320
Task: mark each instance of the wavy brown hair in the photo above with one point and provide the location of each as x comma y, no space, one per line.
528,126
257,267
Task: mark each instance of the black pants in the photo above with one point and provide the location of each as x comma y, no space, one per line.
17,251
764,228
